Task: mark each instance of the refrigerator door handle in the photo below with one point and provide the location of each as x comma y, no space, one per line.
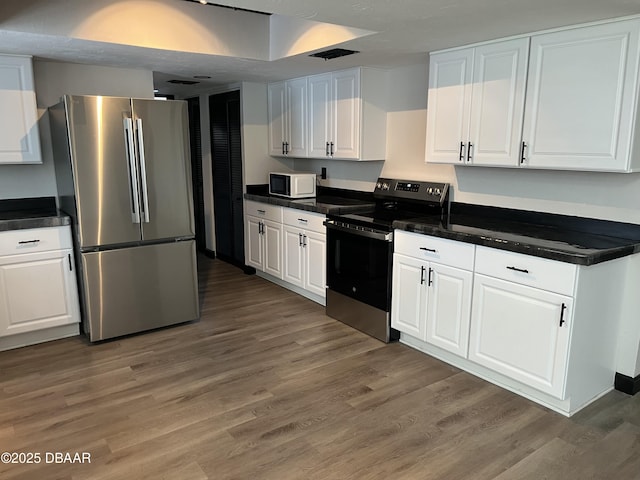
143,170
133,175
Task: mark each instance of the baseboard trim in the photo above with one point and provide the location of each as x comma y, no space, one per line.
628,385
208,253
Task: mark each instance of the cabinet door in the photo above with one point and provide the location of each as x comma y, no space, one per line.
253,243
449,308
296,105
345,92
19,137
315,262
293,256
408,296
497,105
581,91
449,106
37,291
319,115
521,332
276,97
272,245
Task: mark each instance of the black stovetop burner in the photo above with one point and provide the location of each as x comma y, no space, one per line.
402,200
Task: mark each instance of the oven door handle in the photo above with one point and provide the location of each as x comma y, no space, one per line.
373,234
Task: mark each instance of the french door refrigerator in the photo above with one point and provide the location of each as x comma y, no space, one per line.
123,175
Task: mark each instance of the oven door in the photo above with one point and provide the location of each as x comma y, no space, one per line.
359,263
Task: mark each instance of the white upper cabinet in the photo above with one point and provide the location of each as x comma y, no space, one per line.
449,106
288,118
582,98
476,101
346,116
566,100
19,137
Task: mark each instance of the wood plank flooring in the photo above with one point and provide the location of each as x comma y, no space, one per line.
265,386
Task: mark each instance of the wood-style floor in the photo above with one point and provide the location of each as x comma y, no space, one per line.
265,386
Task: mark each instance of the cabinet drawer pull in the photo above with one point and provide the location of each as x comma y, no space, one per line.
432,250
26,242
562,309
516,269
262,211
303,220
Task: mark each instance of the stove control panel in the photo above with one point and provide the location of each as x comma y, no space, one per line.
421,191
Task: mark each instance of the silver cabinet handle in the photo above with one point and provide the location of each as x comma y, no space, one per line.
143,171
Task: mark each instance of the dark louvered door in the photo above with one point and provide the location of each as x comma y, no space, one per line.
224,110
195,136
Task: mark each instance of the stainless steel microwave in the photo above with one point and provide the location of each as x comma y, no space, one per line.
292,185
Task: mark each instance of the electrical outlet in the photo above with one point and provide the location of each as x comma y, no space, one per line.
323,174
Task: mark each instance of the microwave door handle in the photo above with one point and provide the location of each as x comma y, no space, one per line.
143,171
133,174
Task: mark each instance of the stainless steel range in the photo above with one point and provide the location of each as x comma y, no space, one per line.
360,252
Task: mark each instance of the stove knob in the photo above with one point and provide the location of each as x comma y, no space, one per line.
378,185
438,191
430,191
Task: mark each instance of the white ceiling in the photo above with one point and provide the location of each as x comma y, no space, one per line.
406,31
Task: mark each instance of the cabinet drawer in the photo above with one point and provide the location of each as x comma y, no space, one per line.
434,249
527,270
303,219
263,210
32,240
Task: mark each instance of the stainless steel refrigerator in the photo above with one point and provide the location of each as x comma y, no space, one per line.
123,175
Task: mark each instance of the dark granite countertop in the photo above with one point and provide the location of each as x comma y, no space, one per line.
21,214
578,242
321,204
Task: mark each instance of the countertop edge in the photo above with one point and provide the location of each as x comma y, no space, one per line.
585,259
35,222
325,209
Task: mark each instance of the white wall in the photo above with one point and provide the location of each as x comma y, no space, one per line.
52,80
608,196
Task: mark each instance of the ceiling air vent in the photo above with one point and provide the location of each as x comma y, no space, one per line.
183,82
333,53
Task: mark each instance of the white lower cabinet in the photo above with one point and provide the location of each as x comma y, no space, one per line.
263,238
521,332
545,329
38,289
305,251
431,301
289,245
